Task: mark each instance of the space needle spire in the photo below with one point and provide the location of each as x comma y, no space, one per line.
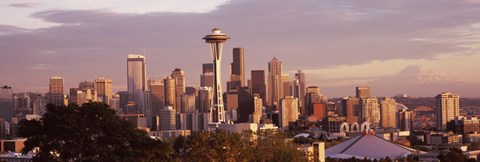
216,40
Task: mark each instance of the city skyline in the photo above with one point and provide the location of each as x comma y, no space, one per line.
444,42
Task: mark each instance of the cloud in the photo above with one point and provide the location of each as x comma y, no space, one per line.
39,67
24,5
327,38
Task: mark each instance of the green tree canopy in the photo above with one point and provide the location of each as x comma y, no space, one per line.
91,132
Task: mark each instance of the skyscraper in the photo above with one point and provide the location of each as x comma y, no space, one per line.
351,108
299,86
6,102
258,84
136,77
86,85
288,111
216,40
205,99
206,78
237,67
447,108
157,91
405,120
246,106
362,91
312,96
55,93
370,112
388,113
179,76
169,84
103,87
275,86
286,86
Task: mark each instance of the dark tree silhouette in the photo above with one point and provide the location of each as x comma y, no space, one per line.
91,132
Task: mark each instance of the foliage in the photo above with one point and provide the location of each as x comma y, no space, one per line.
222,145
91,132
454,154
303,140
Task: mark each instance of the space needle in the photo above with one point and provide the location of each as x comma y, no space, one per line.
216,40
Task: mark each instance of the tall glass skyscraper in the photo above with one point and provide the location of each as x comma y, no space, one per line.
136,78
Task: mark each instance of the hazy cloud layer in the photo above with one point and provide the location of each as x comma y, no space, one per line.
24,5
303,34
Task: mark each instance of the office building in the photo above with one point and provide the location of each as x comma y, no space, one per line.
362,91
179,76
350,106
299,87
286,86
103,86
246,106
168,119
86,85
169,84
206,78
388,113
258,84
238,67
205,99
6,102
312,96
55,93
136,78
447,108
275,83
157,91
319,112
86,95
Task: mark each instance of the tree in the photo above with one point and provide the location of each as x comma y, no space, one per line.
91,132
454,154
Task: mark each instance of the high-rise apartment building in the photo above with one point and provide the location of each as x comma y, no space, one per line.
447,108
136,77
258,84
370,112
55,93
388,113
103,86
288,111
275,83
179,76
405,120
362,91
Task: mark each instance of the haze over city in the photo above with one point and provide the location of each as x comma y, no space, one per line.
420,48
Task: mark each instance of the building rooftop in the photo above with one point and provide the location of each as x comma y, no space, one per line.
369,146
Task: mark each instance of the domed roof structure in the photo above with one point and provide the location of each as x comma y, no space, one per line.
368,146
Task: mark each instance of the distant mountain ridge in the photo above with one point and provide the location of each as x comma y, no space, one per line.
414,80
